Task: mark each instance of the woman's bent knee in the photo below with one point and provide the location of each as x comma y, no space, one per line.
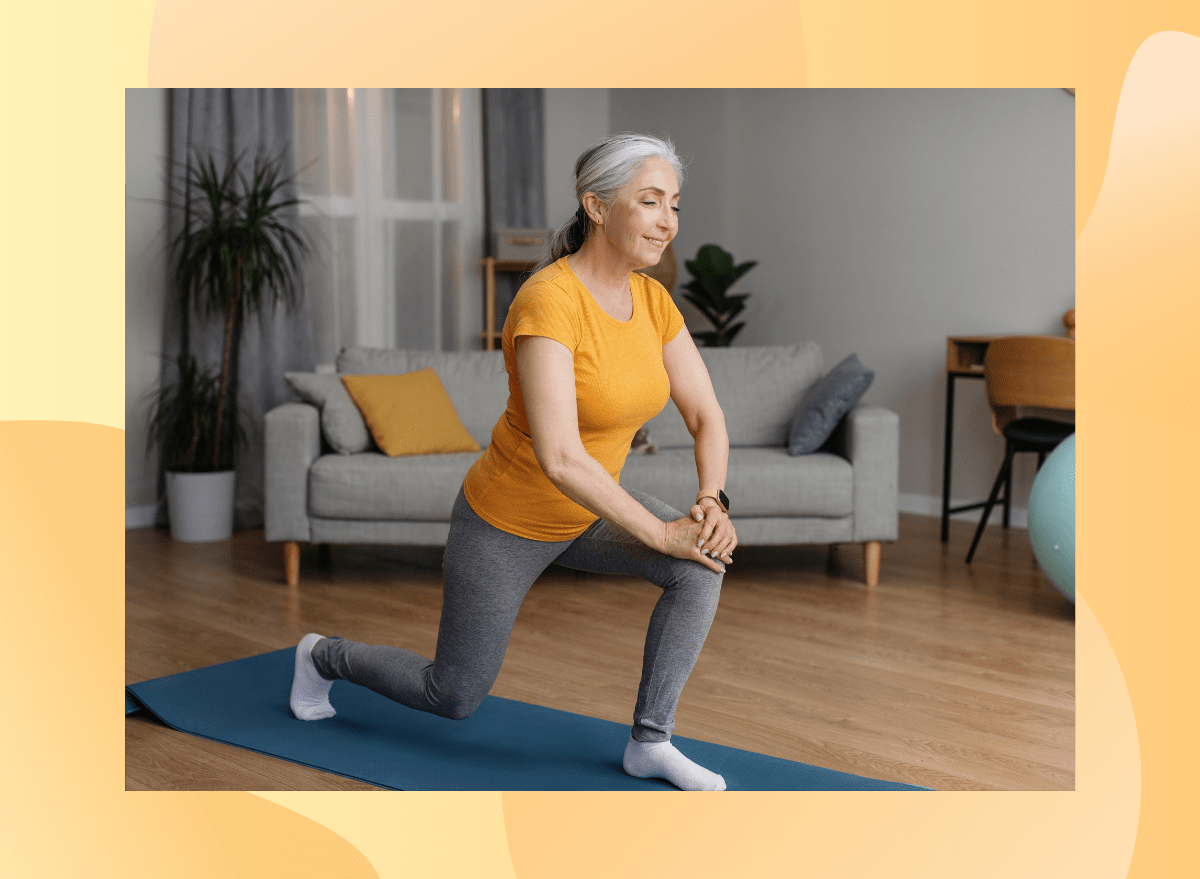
696,576
457,704
459,709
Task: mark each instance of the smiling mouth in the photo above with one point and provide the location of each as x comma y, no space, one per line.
659,241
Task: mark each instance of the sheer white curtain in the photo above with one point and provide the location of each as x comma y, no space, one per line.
392,181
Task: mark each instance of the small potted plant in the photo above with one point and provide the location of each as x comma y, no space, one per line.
200,494
235,254
713,273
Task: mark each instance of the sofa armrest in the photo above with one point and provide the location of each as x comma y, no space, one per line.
869,438
293,442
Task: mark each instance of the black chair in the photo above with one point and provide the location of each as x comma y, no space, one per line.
1026,371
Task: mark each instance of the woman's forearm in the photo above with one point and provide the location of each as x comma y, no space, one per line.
712,451
584,480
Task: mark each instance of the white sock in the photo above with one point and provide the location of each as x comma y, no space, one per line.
310,691
662,760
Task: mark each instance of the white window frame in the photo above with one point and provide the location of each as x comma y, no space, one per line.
376,303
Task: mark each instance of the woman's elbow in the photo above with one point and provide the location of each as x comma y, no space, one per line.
557,464
708,421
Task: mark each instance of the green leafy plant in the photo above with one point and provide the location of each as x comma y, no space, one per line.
713,273
183,419
235,254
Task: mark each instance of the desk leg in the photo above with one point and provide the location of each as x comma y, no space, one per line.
946,457
489,303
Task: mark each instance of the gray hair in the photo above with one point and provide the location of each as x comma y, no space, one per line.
604,169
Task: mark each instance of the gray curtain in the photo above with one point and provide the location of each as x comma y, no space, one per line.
226,123
514,172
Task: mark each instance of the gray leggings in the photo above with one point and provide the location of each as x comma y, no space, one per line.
487,573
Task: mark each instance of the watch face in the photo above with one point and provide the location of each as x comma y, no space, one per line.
724,499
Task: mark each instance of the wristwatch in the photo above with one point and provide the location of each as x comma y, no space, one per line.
717,495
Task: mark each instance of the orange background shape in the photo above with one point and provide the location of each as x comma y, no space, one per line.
67,64
65,813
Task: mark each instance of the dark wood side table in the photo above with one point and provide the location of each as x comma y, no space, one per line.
491,335
964,359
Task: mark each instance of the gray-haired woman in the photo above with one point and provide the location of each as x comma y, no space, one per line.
593,350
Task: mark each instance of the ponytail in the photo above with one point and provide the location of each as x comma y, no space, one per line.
568,239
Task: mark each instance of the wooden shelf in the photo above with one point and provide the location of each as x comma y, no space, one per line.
490,335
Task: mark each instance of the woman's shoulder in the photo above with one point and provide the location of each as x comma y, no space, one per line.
655,293
663,311
553,284
554,275
650,285
546,305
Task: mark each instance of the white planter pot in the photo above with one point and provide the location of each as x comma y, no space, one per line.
200,505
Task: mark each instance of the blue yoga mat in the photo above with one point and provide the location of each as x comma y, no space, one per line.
504,745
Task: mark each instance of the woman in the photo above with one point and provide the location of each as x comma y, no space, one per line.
593,350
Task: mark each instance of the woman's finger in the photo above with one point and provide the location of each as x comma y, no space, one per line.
724,541
715,524
722,548
711,521
713,563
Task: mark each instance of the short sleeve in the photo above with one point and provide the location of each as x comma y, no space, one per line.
545,310
663,310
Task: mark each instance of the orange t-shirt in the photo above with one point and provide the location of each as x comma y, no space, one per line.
620,384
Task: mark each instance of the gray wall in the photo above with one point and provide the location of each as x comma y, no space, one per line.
884,221
145,284
574,120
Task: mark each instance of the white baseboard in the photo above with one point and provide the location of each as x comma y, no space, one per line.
140,517
927,505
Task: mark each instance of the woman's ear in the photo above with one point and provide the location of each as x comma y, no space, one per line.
596,210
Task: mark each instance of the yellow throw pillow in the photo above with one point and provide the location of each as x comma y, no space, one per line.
409,414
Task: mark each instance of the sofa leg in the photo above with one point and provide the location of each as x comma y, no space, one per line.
872,550
291,562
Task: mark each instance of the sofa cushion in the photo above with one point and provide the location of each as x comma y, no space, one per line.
760,482
372,486
758,389
475,380
826,403
409,414
341,422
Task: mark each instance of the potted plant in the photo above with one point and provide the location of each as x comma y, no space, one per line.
713,273
235,254
183,424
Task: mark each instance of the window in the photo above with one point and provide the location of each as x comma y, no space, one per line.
393,197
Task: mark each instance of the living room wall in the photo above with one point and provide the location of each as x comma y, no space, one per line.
884,221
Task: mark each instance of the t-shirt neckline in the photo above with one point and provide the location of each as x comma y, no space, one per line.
597,306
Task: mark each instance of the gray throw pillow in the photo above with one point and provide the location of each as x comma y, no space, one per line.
341,421
826,403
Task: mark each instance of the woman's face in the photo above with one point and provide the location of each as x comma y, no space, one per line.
642,220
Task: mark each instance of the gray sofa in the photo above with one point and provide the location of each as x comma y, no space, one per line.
327,484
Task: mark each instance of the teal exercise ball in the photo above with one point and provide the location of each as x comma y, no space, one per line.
1052,517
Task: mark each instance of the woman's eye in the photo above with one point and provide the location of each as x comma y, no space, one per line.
675,209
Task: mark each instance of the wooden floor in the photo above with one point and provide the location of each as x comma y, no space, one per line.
944,675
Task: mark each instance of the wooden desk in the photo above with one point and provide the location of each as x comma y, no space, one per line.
490,335
964,359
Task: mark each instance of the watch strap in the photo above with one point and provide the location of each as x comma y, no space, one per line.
717,495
